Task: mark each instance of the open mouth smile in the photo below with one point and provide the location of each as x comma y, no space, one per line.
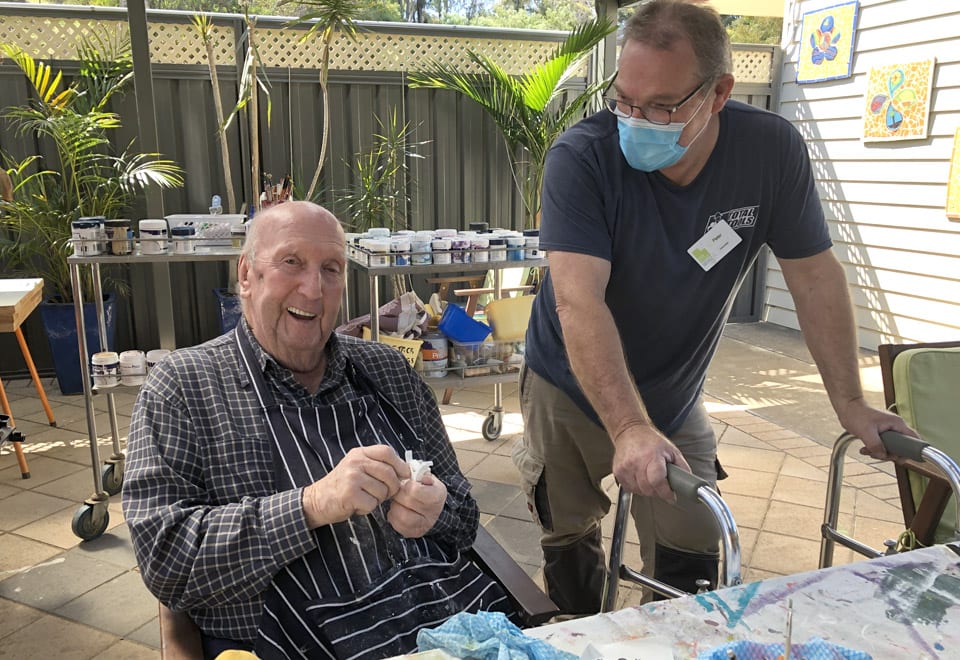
301,314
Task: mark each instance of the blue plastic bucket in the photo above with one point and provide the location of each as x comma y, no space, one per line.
456,325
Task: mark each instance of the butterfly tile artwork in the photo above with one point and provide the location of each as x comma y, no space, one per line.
826,43
897,101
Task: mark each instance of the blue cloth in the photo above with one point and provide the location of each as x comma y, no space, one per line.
486,636
815,649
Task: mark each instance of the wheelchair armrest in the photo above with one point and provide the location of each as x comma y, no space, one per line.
533,606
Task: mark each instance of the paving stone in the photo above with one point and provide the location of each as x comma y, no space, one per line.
148,634
127,650
54,637
496,468
53,583
28,506
118,606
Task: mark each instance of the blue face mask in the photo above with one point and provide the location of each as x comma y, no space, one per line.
649,147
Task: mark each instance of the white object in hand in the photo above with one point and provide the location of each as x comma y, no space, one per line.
418,469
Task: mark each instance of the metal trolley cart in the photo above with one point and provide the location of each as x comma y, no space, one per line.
897,445
92,518
688,488
359,261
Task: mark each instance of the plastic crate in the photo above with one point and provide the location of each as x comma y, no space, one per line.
482,358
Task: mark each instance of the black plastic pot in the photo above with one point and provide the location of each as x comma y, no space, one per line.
60,323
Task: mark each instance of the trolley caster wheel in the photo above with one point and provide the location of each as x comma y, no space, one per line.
112,478
492,426
85,523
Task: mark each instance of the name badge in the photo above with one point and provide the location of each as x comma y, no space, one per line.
714,245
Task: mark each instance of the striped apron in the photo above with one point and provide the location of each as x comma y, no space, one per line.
365,591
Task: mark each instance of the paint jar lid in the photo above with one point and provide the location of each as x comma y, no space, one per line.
84,224
93,218
183,231
132,357
105,358
153,225
497,241
118,223
531,232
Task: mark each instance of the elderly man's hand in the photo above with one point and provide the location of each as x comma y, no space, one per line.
640,461
415,509
364,478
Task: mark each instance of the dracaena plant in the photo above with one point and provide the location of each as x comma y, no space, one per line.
83,174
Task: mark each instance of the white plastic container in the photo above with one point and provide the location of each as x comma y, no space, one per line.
153,236
184,239
441,250
86,237
105,369
133,368
212,230
531,243
155,356
433,353
379,252
479,245
400,251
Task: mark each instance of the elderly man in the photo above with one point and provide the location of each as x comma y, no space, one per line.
265,492
654,210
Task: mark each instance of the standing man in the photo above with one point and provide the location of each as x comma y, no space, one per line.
654,210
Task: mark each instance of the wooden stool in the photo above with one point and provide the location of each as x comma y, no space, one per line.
18,298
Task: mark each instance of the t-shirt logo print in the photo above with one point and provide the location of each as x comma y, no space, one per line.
745,216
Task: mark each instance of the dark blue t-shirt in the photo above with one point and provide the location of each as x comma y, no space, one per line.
670,312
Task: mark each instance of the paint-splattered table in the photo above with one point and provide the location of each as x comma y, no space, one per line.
901,606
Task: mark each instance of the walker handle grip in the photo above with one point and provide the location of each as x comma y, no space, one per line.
684,484
899,444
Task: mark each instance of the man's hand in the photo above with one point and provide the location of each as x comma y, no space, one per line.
868,423
364,478
640,461
416,507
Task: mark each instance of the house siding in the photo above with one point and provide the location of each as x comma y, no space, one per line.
884,202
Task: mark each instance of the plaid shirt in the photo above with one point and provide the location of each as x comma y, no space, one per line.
208,527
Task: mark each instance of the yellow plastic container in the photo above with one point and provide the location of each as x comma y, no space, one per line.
509,317
409,348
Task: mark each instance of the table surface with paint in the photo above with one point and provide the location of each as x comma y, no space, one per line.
900,606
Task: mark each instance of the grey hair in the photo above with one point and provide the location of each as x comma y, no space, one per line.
662,23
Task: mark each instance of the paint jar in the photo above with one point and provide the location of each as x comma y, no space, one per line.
238,234
379,252
460,250
445,233
498,250
133,368
480,246
184,239
379,232
433,353
420,248
479,226
441,250
153,236
105,369
85,235
515,248
119,236
101,231
155,356
531,243
400,252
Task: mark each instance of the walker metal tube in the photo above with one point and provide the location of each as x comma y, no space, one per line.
896,444
690,488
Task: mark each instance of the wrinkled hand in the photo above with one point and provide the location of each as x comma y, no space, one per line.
364,478
640,461
416,507
868,423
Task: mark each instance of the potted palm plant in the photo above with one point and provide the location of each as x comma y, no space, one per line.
82,176
532,109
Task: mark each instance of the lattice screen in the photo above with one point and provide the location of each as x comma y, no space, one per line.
55,38
752,66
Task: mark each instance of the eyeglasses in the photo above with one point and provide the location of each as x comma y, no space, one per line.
655,114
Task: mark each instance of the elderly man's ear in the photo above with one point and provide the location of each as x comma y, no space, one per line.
243,276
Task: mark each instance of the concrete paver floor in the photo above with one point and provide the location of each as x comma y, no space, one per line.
63,598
